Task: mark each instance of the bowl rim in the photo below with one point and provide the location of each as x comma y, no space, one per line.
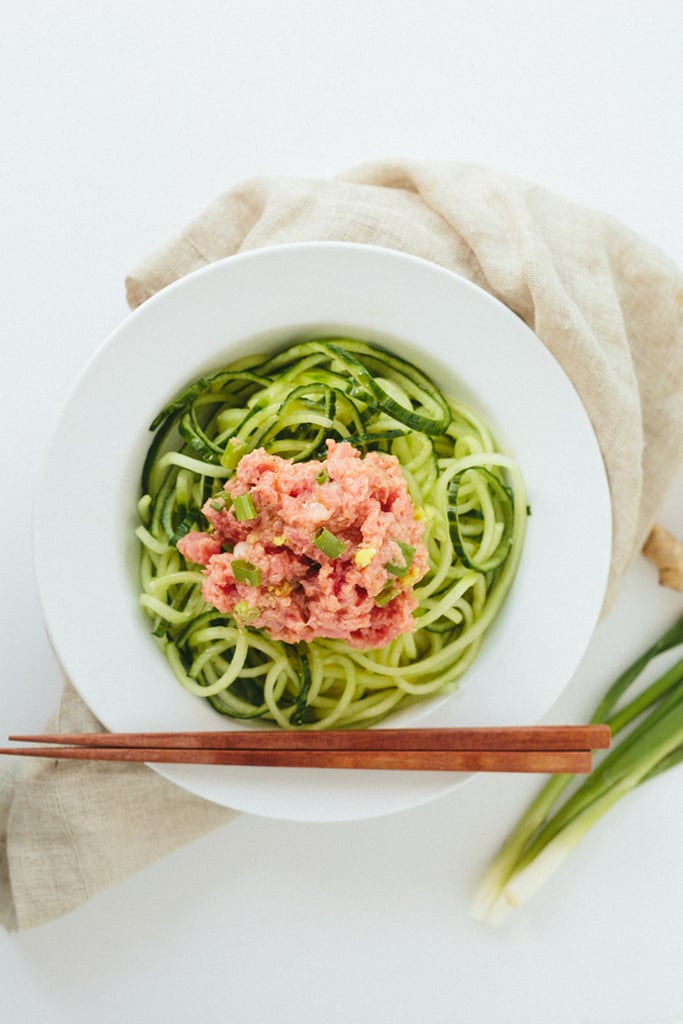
342,262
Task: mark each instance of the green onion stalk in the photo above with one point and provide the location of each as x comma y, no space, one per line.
567,806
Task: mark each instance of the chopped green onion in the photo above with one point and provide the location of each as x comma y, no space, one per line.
246,572
408,552
221,501
245,612
330,545
386,594
322,477
552,825
243,507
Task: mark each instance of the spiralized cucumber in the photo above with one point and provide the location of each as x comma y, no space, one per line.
469,494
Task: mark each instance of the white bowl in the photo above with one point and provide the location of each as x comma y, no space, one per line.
474,347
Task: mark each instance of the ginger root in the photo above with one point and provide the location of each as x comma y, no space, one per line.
666,553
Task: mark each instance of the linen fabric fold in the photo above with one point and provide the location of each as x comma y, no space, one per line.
607,304
73,829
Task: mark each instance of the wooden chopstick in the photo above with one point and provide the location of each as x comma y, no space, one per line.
545,749
545,761
536,737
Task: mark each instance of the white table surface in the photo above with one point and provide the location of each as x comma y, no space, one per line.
121,121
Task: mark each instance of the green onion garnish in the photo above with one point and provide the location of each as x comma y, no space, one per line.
408,552
322,477
243,507
221,501
386,594
330,545
245,612
246,572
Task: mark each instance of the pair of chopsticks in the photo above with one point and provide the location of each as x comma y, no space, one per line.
546,749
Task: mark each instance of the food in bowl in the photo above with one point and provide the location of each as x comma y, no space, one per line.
322,549
325,536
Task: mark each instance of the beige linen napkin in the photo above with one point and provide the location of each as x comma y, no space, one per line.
607,304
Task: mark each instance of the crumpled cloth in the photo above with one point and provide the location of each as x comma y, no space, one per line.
607,303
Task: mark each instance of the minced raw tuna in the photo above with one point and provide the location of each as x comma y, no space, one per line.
329,548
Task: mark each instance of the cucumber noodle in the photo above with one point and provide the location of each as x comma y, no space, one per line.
469,494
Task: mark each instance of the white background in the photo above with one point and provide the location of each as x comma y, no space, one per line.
119,123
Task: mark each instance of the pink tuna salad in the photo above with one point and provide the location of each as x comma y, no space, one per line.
307,550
